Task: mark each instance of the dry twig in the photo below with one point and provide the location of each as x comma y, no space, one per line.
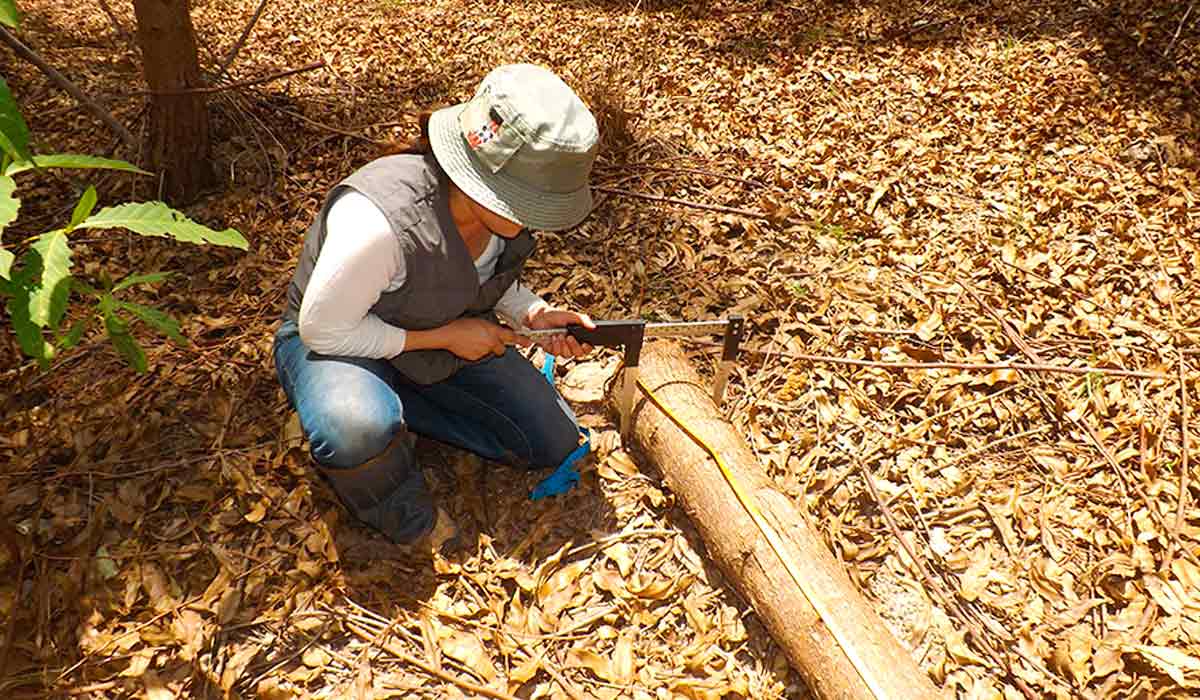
692,171
1096,440
1184,465
748,213
322,125
966,366
395,650
982,367
11,627
67,86
237,45
239,84
1179,29
116,24
948,601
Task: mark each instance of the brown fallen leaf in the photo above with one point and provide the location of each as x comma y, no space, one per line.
237,664
138,664
593,661
1183,668
928,327
315,657
156,689
466,648
586,381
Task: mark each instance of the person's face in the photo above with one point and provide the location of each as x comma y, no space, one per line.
494,222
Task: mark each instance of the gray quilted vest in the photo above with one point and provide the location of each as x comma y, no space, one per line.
441,282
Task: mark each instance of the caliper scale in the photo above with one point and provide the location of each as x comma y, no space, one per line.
630,334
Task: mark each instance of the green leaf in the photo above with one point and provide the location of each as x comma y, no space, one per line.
148,278
81,286
72,338
48,300
9,14
15,133
29,334
9,205
6,261
71,160
159,320
157,219
122,339
84,208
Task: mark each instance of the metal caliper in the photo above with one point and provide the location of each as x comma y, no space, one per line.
630,334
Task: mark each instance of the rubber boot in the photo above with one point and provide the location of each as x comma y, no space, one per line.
388,492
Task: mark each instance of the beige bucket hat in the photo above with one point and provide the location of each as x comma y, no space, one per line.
523,147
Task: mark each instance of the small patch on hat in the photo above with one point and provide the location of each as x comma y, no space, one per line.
489,136
483,134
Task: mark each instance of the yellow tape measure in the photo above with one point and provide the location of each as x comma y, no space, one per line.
831,621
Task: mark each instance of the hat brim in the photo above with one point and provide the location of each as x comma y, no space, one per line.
514,200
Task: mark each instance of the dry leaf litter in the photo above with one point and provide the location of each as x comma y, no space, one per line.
958,182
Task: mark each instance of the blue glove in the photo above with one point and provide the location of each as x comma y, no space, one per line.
565,477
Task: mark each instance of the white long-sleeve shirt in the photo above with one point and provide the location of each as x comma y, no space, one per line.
359,261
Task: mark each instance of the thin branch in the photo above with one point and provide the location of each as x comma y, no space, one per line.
116,24
932,585
1184,465
748,213
11,627
92,688
693,171
966,366
237,46
996,443
540,656
1182,22
985,367
239,84
395,650
69,87
321,125
1015,336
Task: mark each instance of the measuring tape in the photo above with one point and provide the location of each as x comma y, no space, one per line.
629,335
832,622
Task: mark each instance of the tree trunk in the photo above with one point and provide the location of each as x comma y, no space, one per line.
177,143
828,631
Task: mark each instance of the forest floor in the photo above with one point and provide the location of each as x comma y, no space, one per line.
958,182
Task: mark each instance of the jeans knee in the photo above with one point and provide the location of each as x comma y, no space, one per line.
348,438
555,444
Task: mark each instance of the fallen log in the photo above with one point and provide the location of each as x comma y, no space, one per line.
778,562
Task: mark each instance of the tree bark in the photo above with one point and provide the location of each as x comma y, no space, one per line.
851,655
177,142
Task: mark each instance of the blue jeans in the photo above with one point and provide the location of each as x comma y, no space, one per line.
357,414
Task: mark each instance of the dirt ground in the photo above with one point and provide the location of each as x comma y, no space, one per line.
948,182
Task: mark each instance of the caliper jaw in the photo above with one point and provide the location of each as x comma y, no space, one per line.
612,334
631,334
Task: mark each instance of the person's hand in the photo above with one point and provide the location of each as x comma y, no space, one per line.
562,345
474,338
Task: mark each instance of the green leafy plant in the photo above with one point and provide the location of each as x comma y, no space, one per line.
9,14
38,286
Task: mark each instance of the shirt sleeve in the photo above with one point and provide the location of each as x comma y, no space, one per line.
516,303
359,260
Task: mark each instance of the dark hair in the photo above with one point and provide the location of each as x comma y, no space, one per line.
415,146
